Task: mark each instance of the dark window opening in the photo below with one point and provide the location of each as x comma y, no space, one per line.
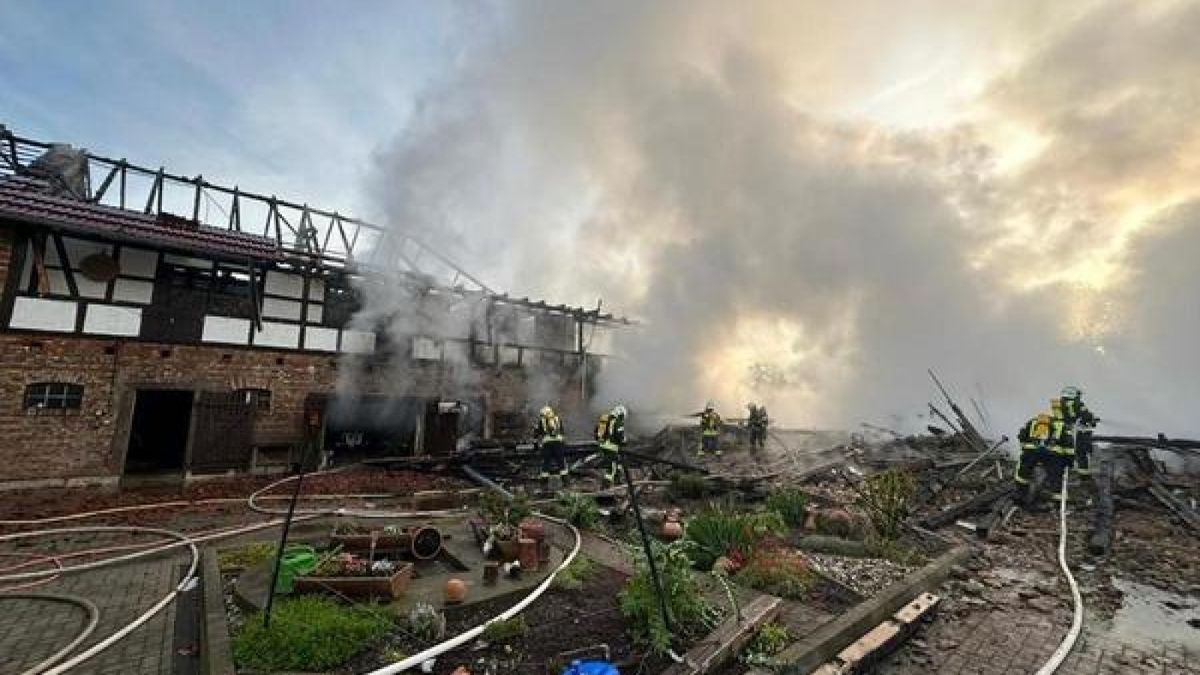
53,397
259,399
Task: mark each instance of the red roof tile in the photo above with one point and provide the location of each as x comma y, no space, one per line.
25,200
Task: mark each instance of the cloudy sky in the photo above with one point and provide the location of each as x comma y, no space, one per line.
807,204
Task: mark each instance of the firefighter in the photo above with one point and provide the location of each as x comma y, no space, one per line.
758,422
710,430
548,431
610,435
1045,440
1082,422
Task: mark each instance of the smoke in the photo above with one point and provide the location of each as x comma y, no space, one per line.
752,188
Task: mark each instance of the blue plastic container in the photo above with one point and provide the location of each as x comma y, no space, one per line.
591,668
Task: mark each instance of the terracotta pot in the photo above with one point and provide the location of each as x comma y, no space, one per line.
671,530
456,591
532,528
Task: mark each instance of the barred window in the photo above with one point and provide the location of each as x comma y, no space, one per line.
57,397
259,399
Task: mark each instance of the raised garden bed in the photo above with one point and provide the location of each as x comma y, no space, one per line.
380,586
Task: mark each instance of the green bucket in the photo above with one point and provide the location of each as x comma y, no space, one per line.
298,560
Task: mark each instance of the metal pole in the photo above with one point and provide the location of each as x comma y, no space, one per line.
287,526
637,514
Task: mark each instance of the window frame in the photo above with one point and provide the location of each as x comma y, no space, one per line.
258,397
66,397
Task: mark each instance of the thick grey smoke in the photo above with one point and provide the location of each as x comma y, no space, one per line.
693,169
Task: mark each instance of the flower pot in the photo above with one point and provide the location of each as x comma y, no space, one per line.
672,530
527,554
507,549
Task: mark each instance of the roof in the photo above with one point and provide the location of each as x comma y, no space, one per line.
28,200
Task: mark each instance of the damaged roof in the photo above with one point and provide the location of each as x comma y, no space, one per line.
29,200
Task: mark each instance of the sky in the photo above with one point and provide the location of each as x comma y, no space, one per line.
804,204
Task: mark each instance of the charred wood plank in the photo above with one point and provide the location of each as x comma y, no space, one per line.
976,503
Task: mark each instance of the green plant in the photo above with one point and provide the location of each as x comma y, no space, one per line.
887,499
505,631
769,640
780,571
579,509
306,633
574,575
686,606
504,514
425,623
689,486
790,503
718,530
242,557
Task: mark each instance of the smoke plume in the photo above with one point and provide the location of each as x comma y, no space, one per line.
809,209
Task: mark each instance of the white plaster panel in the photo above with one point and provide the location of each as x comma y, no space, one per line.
43,314
275,334
199,263
456,352
426,349
527,330
281,309
321,339
316,290
510,356
78,249
112,320
138,262
88,288
358,341
288,285
225,329
133,290
316,313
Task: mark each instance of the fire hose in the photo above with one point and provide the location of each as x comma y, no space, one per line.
93,614
1068,642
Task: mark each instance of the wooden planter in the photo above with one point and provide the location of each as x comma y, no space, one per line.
402,542
392,586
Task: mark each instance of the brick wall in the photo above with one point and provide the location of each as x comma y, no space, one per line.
92,442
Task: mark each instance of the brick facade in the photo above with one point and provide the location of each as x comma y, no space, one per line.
91,443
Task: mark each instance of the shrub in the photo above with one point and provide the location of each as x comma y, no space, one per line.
887,499
718,531
580,510
689,486
790,503
573,577
769,640
686,606
780,571
246,556
425,623
506,631
311,634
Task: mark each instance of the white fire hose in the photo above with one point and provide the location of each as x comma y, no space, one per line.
1064,648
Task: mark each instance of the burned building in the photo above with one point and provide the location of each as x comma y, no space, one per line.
153,323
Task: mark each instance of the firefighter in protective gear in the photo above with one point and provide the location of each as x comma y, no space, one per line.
610,436
710,430
1082,422
1046,440
757,422
548,431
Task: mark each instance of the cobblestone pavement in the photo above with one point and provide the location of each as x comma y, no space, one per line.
31,630
977,639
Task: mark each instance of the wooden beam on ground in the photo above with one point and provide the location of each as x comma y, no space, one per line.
830,638
882,640
975,503
1185,513
728,638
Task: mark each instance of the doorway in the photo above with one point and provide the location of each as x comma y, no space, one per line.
158,436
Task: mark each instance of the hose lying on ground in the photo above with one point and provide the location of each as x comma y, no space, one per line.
1068,642
88,606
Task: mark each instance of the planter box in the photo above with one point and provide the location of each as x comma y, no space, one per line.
357,587
355,543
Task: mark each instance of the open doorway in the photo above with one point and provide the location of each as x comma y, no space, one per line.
159,434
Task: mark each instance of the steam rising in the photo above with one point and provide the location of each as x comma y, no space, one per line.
733,179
